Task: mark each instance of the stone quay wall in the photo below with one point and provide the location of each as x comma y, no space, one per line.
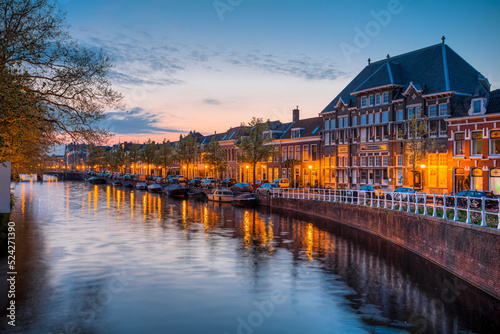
468,251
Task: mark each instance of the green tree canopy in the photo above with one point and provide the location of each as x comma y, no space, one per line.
187,150
215,157
148,155
51,88
165,155
255,145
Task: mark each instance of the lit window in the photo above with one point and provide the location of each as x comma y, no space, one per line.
476,143
459,143
495,142
305,152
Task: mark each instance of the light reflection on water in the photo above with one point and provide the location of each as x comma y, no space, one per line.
109,260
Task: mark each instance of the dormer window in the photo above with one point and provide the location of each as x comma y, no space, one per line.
478,106
296,133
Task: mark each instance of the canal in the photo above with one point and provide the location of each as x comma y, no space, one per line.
98,259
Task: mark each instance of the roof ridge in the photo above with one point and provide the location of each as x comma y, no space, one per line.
405,54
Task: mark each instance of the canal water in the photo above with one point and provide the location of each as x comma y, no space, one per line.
98,259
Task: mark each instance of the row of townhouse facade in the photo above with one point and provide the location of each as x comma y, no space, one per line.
358,138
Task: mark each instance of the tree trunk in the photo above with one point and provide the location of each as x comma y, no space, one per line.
253,184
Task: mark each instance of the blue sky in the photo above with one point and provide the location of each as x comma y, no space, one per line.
207,65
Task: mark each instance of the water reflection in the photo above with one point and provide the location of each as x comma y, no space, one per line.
192,267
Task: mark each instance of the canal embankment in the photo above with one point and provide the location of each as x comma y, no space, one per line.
468,251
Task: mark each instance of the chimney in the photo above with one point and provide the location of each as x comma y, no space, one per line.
369,61
296,114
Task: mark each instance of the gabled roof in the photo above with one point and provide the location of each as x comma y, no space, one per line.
309,125
437,67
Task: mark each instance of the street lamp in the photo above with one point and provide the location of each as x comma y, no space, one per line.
247,172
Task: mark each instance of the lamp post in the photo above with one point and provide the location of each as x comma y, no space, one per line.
422,167
247,172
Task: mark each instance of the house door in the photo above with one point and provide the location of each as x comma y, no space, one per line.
458,180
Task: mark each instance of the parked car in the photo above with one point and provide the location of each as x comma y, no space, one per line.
283,183
405,193
267,188
475,197
195,183
208,183
242,187
369,190
228,182
259,183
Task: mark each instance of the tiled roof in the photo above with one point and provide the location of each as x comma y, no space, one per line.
437,68
308,124
462,105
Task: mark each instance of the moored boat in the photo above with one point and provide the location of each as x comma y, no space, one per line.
127,185
244,200
155,188
117,183
176,190
141,185
221,195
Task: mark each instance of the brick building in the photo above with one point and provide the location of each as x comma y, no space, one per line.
474,144
362,125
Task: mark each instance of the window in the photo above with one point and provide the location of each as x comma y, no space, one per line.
495,142
377,118
313,153
363,176
377,161
284,154
400,160
386,98
476,143
411,112
433,128
370,119
346,161
346,122
379,132
432,111
399,130
476,179
296,133
443,131
418,112
327,138
354,121
363,161
459,143
290,152
495,180
370,161
333,124
327,125
363,102
385,117
443,110
363,119
371,100
400,115
377,99
477,107
341,123
363,135
297,152
305,152
385,161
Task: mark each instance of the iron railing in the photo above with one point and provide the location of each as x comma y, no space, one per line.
471,210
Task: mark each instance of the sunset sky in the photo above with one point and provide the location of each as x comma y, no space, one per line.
207,65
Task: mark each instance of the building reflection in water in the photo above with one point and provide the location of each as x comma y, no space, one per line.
386,284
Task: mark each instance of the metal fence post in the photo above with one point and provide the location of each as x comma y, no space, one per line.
434,213
468,220
483,212
456,210
445,216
